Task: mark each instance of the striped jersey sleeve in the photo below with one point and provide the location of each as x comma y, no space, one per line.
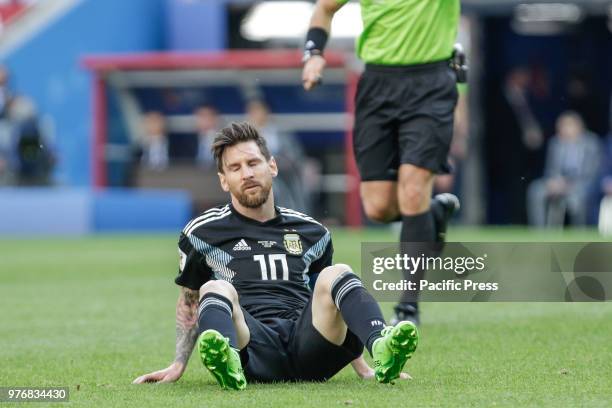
324,260
194,270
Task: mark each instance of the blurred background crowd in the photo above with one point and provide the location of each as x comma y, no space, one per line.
126,97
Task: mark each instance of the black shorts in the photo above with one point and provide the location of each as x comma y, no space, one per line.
293,350
404,115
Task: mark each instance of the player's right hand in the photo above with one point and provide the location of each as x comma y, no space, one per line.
167,375
313,72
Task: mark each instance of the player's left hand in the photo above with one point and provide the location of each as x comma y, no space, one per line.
365,372
370,374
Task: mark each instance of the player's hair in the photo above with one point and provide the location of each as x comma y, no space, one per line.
234,133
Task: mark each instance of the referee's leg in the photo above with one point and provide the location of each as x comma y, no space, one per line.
380,200
415,187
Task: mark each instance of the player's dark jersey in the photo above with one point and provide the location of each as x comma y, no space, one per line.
270,263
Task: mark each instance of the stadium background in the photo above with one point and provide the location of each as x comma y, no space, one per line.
87,248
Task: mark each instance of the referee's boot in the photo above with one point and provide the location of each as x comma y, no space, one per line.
443,207
391,351
405,311
221,360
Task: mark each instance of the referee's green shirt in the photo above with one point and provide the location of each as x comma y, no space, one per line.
407,32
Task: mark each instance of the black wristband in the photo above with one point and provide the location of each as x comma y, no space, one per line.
316,39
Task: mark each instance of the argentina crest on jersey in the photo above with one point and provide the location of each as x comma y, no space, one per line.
293,244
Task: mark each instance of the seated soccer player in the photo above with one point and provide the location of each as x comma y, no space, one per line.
247,272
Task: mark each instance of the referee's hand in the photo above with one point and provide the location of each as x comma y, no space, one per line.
313,72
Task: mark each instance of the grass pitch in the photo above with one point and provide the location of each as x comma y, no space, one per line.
94,313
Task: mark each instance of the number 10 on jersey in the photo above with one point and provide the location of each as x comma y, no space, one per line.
272,260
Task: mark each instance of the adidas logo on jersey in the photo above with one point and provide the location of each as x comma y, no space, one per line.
242,246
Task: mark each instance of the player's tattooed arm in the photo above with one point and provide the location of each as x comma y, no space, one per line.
186,333
186,324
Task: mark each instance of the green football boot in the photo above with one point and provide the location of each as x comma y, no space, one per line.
221,360
393,349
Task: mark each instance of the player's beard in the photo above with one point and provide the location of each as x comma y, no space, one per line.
255,200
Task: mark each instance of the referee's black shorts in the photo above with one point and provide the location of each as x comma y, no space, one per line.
293,350
404,115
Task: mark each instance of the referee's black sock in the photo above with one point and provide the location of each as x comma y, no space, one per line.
418,228
215,312
358,308
438,215
417,235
